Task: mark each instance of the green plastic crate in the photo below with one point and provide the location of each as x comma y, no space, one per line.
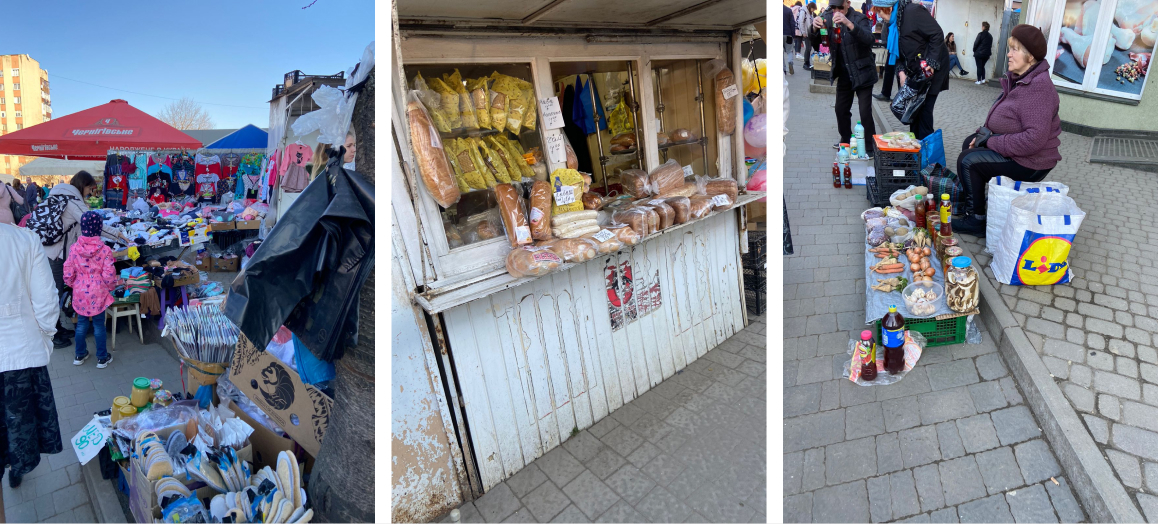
938,332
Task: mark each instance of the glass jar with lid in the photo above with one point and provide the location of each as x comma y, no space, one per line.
962,293
142,393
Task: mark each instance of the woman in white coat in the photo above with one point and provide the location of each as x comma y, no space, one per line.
28,315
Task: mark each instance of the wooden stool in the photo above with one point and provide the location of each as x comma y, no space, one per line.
125,309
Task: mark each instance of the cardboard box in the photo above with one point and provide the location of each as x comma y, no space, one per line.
222,226
248,224
301,410
203,264
226,265
189,278
264,443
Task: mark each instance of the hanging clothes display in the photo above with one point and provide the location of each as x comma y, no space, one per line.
116,187
158,178
584,108
207,173
268,166
574,133
183,174
229,164
297,156
137,188
249,176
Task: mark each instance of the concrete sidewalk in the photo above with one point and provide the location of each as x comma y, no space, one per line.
1096,335
954,441
692,449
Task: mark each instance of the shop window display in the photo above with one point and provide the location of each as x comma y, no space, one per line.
1102,46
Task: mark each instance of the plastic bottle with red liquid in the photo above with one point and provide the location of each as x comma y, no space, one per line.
847,177
920,211
868,356
835,174
893,339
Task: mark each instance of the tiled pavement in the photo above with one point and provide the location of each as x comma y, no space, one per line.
951,442
692,449
1098,334
54,491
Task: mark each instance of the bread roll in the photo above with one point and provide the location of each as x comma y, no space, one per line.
511,209
625,234
572,249
540,210
532,262
430,157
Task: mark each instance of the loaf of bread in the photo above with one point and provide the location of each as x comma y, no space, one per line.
625,234
635,218
653,220
512,211
701,206
540,210
666,214
725,108
532,262
682,135
721,186
592,201
572,249
662,139
667,178
686,191
607,247
430,156
682,207
486,230
635,182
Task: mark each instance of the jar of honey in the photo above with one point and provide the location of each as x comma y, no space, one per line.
142,393
127,411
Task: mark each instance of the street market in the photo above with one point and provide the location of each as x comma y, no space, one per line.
234,250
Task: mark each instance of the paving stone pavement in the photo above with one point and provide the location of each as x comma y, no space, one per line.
692,449
952,442
1098,334
54,491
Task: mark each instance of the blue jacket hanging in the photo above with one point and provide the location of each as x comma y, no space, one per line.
583,109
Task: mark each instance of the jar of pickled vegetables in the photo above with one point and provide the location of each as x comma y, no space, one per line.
142,392
951,253
945,242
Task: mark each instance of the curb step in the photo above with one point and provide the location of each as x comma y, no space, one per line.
106,507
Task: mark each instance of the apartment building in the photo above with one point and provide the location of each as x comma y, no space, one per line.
25,100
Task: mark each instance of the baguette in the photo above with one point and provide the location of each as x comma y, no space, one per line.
573,216
431,158
514,217
577,232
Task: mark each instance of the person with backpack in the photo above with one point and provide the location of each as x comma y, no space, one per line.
89,272
56,221
27,326
11,206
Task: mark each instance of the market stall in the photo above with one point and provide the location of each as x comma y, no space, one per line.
570,246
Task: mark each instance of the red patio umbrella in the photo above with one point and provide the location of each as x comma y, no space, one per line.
90,134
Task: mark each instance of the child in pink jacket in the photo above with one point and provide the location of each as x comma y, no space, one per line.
89,272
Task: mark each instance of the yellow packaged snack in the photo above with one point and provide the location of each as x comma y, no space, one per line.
465,104
493,161
561,178
499,105
504,153
480,97
472,150
516,105
450,105
466,164
433,102
516,155
532,104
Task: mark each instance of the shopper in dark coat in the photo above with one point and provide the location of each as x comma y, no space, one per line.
854,67
982,50
920,46
789,32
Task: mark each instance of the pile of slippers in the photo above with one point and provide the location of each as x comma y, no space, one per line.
155,461
272,496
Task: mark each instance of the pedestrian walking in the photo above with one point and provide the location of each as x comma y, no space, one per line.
854,67
89,272
954,62
982,50
31,194
797,37
803,22
29,426
11,205
789,31
922,58
1020,137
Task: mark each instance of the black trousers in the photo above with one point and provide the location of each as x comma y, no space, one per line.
977,166
844,96
889,74
922,124
981,66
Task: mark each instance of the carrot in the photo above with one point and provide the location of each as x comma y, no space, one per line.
887,271
890,266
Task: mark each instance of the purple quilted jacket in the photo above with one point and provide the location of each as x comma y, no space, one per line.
1026,118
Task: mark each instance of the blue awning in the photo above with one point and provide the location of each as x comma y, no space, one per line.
248,137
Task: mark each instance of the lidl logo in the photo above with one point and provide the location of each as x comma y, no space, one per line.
1044,262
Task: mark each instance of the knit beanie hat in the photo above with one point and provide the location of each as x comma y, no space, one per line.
1031,39
884,3
91,224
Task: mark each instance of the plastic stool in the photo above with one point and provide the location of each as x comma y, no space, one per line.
130,310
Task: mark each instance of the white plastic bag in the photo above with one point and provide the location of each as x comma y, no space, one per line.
1035,244
332,120
907,203
1000,194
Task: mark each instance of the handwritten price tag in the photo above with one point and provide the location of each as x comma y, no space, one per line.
688,171
556,148
656,202
603,235
730,92
721,200
565,195
89,441
552,113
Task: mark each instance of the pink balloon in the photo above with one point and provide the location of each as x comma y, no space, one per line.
756,131
758,182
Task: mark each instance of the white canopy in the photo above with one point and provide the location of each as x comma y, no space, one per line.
55,167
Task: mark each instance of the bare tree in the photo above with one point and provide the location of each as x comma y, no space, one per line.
186,114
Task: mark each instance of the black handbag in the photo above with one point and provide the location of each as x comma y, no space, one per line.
909,100
18,210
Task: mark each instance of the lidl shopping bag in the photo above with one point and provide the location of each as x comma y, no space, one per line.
1035,244
1001,192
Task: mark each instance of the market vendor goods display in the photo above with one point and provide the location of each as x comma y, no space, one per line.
725,90
431,157
512,210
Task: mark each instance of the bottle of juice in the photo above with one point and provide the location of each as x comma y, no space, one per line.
920,211
847,177
835,174
946,211
868,356
893,339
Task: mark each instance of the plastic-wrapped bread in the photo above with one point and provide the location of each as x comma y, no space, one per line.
653,220
563,219
576,228
701,206
433,102
572,249
532,262
465,104
430,156
540,210
682,207
635,218
682,135
592,201
666,214
666,178
572,158
662,139
480,98
724,84
605,243
720,186
625,234
635,182
686,191
486,230
511,209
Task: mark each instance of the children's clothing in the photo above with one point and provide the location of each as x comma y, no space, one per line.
297,156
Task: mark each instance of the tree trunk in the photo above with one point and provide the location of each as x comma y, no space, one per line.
342,481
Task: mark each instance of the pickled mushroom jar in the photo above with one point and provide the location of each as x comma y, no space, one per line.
961,288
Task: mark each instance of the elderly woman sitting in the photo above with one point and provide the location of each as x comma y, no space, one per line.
1020,136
